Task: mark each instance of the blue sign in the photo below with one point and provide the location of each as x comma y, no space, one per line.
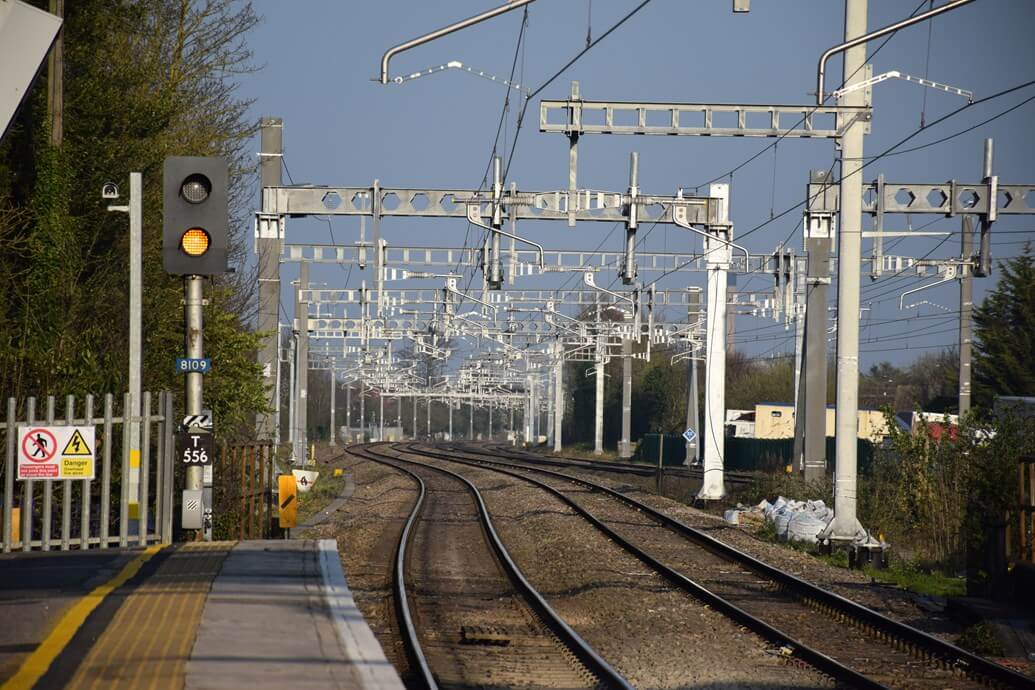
189,365
689,435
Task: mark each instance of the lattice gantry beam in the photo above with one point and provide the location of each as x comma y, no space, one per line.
525,261
948,198
586,205
573,117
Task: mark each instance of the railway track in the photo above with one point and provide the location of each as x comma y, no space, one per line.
466,614
621,468
843,639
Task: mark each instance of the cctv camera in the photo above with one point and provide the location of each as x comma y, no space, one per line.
110,190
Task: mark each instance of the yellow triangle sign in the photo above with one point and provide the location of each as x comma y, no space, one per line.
77,445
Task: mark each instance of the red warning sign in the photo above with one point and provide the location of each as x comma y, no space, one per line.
39,445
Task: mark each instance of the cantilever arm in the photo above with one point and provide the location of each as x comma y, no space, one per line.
456,26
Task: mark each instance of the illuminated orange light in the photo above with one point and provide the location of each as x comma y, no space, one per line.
194,242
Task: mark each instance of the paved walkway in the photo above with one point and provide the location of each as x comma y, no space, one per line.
255,615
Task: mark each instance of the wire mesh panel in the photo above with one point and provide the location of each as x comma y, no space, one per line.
72,513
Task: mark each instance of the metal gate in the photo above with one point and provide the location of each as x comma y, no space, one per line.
39,515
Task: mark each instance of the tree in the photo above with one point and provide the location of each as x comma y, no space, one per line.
143,79
1004,357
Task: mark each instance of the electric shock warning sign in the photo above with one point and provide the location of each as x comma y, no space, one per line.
56,452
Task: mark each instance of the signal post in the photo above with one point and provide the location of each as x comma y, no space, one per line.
194,245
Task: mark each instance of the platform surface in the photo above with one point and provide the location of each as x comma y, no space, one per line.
254,614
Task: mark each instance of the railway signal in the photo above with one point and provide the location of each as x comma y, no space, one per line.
195,215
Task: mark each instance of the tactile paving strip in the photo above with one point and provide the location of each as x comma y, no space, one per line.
148,641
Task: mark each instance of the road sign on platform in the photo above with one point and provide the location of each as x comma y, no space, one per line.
56,452
189,365
689,435
195,449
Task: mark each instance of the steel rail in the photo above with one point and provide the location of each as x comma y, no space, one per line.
639,469
970,664
411,642
821,662
565,633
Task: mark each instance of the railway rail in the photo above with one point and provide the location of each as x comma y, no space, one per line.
437,656
872,651
621,468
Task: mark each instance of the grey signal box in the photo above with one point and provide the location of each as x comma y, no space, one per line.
195,215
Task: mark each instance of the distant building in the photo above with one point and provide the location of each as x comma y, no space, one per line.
740,423
776,420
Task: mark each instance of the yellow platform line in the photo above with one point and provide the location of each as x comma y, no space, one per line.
33,668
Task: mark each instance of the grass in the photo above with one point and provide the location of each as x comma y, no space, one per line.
981,638
919,579
326,489
914,577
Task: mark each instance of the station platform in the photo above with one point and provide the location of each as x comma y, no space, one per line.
199,616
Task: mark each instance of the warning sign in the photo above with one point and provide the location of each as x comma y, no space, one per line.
56,452
77,445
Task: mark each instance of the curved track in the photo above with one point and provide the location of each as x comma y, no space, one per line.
536,647
872,651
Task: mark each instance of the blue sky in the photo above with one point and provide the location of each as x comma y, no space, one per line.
319,59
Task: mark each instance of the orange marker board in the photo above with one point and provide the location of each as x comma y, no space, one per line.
287,500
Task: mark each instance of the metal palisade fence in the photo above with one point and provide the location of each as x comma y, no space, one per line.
96,511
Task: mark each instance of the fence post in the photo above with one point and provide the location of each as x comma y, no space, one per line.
145,465
239,457
168,471
159,467
48,491
106,472
66,485
27,485
86,486
9,470
250,450
124,492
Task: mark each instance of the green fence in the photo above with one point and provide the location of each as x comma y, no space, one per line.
674,449
774,454
746,454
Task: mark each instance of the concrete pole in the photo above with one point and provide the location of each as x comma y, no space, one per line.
276,396
966,308
718,254
429,418
413,401
268,247
301,446
558,399
845,525
598,413
193,288
381,417
136,194
291,389
693,417
450,404
798,453
470,432
362,412
625,446
334,386
814,430
348,413
489,435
